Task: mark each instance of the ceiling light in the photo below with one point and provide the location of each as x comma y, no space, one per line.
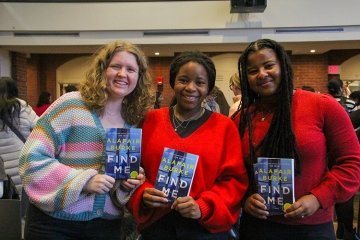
157,53
312,50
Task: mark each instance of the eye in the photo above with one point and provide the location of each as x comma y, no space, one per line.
115,66
132,70
182,80
252,71
269,65
200,82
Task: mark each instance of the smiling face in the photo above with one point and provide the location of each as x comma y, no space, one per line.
191,87
264,72
122,75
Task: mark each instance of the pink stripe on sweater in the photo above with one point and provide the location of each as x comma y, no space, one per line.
81,147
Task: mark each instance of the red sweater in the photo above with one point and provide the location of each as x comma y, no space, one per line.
40,110
320,125
220,180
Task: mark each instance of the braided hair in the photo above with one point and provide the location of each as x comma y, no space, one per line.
279,141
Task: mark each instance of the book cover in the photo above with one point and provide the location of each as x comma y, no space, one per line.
274,178
176,173
123,152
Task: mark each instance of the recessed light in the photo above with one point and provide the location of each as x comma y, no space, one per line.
312,50
157,53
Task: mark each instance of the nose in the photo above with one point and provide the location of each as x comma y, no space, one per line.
262,73
190,86
121,71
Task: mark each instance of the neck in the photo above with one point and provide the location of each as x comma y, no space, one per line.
188,115
113,107
266,103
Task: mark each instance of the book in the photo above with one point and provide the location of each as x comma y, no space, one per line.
123,152
176,173
274,179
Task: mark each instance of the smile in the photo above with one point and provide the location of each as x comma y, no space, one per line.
120,82
190,98
264,82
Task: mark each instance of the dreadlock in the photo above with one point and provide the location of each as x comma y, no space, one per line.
279,141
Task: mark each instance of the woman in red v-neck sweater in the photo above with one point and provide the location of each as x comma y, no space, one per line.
220,179
277,121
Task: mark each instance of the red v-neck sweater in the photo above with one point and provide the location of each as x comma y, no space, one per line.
320,125
220,180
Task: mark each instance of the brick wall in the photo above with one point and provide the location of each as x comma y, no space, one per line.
38,73
310,70
18,73
160,67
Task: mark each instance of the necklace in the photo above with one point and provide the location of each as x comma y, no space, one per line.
264,115
178,123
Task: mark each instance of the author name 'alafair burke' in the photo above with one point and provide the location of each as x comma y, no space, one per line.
122,144
275,174
177,166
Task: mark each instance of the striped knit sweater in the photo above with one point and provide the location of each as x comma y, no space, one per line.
65,150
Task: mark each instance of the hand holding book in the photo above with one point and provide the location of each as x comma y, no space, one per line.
187,207
99,183
130,183
303,207
153,198
255,205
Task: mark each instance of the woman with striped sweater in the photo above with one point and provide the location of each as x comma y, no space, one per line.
62,162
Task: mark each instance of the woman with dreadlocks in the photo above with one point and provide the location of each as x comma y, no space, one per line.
277,121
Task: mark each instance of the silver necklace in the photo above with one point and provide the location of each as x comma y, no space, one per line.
264,115
178,123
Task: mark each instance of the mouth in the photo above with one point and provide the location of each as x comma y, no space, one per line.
120,83
264,82
190,98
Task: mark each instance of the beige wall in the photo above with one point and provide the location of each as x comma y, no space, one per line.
99,23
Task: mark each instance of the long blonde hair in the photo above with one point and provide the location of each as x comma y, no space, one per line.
93,89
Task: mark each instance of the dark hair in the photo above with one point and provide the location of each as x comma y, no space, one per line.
308,88
356,97
280,139
70,88
334,86
44,98
9,104
193,56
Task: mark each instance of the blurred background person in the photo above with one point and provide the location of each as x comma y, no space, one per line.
70,88
308,88
43,103
336,89
355,115
17,113
234,84
215,101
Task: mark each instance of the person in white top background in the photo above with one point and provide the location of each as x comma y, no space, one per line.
234,84
22,117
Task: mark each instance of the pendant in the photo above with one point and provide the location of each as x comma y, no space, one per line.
263,119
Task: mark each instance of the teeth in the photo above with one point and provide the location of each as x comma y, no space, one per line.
190,97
